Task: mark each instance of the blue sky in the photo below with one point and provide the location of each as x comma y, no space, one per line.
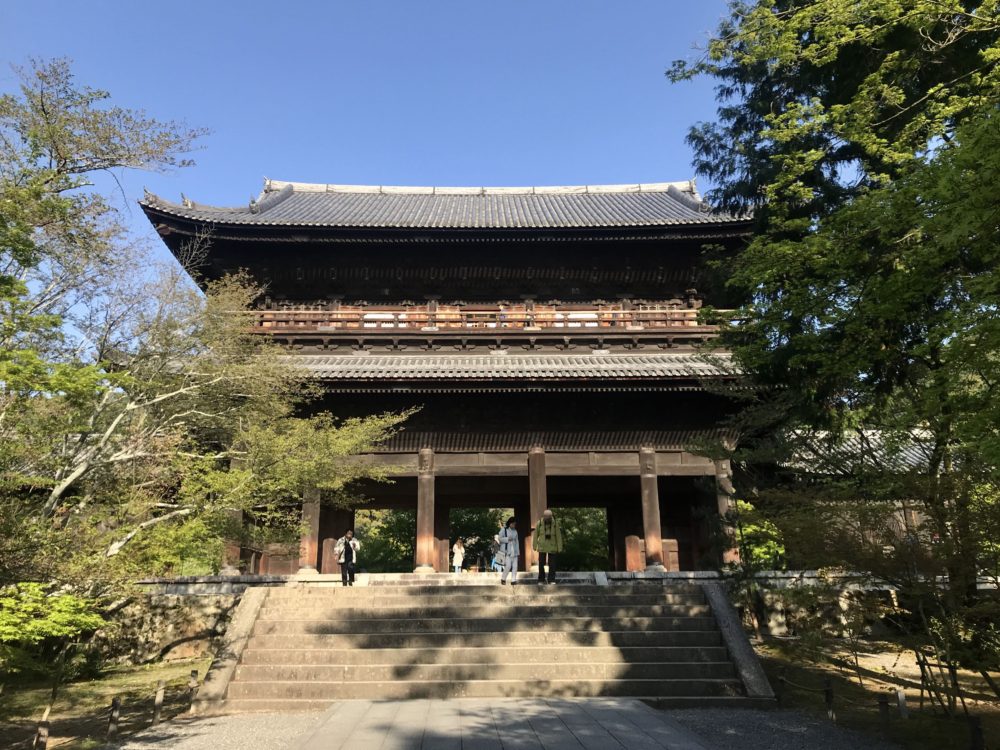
396,92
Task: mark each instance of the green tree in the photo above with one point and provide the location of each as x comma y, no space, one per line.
864,137
137,413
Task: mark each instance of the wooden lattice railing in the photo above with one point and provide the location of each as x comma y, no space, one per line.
323,318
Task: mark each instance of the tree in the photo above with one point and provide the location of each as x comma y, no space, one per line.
133,406
864,137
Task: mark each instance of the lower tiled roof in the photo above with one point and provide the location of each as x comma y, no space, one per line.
514,367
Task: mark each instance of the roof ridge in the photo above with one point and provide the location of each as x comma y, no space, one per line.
683,186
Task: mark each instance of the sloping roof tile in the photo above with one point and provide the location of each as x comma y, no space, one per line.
317,205
516,367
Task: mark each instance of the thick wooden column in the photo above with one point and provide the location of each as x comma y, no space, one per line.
724,496
334,523
309,542
426,552
538,501
650,509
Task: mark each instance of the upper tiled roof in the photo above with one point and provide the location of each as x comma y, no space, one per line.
518,367
584,206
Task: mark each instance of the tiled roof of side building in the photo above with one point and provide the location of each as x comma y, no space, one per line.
518,367
381,206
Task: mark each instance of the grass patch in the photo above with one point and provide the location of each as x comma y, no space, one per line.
79,717
883,667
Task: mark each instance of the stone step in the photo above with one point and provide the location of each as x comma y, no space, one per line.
330,691
524,587
508,610
485,654
367,598
510,639
374,628
268,705
458,671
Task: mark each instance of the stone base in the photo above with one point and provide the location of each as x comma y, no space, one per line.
423,569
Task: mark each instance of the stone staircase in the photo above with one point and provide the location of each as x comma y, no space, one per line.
312,645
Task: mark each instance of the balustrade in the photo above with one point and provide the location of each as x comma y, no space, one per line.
302,319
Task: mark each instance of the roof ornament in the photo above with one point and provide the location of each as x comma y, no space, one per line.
147,196
186,202
253,205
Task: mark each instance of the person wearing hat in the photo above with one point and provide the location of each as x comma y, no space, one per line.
548,543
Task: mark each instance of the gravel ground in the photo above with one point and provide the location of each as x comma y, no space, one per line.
748,729
240,732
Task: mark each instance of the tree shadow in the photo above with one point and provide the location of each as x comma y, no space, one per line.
636,639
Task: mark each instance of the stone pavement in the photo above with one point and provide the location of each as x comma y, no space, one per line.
499,724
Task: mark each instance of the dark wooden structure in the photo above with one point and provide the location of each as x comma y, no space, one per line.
549,335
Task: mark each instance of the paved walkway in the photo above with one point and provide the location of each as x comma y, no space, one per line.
507,724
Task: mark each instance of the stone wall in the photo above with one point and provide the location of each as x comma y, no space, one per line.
166,626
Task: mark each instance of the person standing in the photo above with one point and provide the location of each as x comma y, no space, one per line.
458,555
548,543
496,559
346,549
511,551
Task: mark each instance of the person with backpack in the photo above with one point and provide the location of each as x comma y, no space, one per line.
547,541
346,549
510,549
496,559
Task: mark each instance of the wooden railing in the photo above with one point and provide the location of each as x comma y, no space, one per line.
474,317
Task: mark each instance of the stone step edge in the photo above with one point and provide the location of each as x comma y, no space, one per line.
457,665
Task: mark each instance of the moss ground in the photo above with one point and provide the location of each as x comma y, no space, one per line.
79,717
883,668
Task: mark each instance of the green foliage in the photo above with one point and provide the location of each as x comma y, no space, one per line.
477,527
585,537
187,548
35,624
865,137
759,540
138,413
29,615
388,539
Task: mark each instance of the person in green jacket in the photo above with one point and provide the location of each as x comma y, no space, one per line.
547,541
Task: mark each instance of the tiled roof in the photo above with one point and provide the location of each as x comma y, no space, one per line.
518,367
586,206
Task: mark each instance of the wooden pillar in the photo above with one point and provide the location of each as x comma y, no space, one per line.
442,538
334,523
426,548
724,497
538,501
309,542
650,509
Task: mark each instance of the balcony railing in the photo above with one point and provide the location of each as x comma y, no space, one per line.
310,319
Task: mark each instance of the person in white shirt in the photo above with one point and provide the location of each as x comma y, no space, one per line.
458,555
346,549
511,550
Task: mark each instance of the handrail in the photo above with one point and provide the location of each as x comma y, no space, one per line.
475,318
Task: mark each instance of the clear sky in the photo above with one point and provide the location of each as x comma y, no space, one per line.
393,92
